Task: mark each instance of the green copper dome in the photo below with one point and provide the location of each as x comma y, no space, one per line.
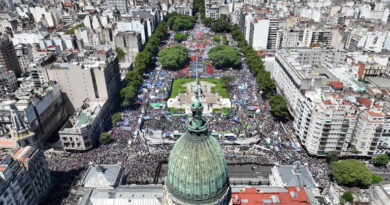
197,171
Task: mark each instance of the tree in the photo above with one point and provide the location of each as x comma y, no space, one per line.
181,23
133,78
217,38
381,160
71,31
221,25
226,80
376,179
208,21
173,58
116,118
128,94
265,83
347,197
224,40
224,57
142,61
179,37
278,106
332,157
104,138
353,173
120,53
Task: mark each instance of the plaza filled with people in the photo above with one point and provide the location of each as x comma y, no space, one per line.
257,136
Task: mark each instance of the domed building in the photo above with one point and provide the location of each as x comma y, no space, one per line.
197,172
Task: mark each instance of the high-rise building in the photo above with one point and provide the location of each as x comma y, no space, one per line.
8,56
325,125
368,131
273,33
258,34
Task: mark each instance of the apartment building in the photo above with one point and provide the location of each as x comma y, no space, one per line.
314,37
297,70
368,69
258,33
25,177
368,130
288,38
273,33
325,125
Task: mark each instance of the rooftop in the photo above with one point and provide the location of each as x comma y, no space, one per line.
290,176
289,195
83,117
131,195
102,176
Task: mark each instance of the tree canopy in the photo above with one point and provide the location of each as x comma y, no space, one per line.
217,38
179,37
381,160
221,25
332,157
224,40
278,106
71,31
116,118
353,173
142,62
224,57
346,197
179,22
173,58
104,138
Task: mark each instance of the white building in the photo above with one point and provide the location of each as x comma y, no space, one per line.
287,39
369,129
258,34
324,125
297,70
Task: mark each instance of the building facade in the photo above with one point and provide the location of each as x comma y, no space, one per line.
8,56
25,177
92,79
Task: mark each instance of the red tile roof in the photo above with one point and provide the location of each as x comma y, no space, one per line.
365,101
337,84
374,114
250,196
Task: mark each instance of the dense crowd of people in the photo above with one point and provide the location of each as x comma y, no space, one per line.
249,117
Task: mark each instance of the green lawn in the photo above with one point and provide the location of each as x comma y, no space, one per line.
219,86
